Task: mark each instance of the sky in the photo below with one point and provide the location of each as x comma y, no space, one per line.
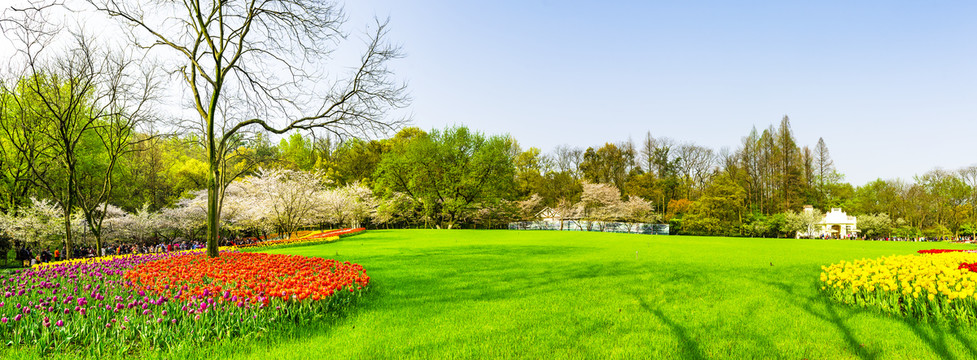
891,86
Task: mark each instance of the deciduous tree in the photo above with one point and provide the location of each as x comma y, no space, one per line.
257,64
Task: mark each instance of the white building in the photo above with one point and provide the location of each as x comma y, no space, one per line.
836,224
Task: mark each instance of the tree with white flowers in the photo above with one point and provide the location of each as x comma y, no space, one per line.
188,218
600,202
289,199
363,206
396,209
636,210
40,224
140,226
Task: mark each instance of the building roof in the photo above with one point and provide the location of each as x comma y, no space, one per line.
836,216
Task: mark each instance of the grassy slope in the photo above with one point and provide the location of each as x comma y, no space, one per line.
472,294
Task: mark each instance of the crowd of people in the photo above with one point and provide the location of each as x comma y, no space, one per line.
32,256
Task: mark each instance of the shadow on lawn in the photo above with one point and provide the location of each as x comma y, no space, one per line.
689,346
488,273
935,336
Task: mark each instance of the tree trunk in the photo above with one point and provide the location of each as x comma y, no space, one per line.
67,229
68,204
213,210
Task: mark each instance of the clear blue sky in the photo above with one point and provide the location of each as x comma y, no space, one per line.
890,85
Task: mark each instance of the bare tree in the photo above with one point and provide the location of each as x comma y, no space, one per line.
64,95
264,56
568,159
662,155
696,165
647,154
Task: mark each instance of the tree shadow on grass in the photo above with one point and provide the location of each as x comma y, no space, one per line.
688,344
935,336
488,279
830,315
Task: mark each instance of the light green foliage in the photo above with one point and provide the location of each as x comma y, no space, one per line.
801,223
719,211
610,164
530,167
558,186
875,226
296,153
356,160
451,173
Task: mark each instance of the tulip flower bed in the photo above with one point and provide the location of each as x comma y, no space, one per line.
308,239
163,301
248,278
125,256
941,251
938,285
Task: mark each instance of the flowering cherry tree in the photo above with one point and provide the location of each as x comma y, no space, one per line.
288,199
39,224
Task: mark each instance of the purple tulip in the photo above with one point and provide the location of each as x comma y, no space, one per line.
60,323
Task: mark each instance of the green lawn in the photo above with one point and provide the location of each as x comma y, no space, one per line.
544,294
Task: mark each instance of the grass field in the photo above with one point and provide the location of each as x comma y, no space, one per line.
473,294
521,294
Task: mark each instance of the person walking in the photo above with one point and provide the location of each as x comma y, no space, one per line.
23,256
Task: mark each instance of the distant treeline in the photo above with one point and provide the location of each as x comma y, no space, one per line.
456,177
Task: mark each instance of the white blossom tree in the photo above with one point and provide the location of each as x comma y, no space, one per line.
398,208
600,202
140,226
39,224
566,210
289,199
188,218
636,210
363,204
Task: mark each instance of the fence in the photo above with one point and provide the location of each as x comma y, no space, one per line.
583,225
